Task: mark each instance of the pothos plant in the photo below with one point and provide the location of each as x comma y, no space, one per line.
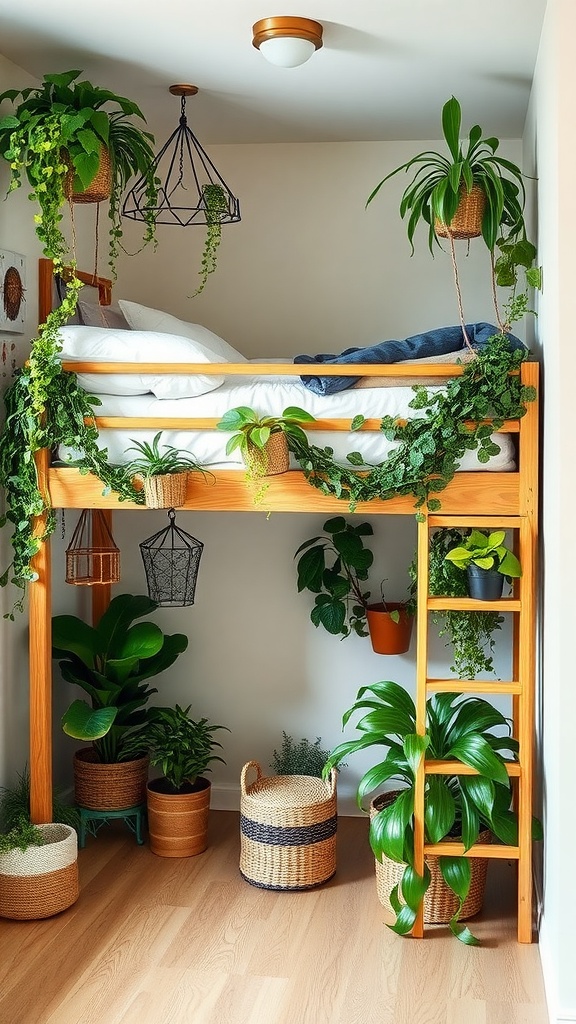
428,447
216,204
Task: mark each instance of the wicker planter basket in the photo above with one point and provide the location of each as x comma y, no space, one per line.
287,830
467,221
271,460
99,189
42,880
167,490
178,822
109,787
440,903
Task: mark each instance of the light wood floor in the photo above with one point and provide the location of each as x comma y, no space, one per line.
159,941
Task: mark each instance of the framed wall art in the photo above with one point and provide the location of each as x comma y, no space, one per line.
12,292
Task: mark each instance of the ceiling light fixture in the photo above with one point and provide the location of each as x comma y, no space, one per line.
287,42
188,180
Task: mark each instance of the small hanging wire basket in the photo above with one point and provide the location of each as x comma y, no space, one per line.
92,557
171,562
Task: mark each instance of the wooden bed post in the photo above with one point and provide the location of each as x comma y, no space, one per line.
40,652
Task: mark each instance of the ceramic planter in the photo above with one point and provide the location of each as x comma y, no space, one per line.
178,822
484,584
388,636
42,880
109,787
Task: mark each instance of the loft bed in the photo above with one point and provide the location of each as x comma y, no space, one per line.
490,499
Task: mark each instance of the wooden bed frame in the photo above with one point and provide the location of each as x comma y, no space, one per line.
481,499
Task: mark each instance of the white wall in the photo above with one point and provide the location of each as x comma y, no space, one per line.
552,142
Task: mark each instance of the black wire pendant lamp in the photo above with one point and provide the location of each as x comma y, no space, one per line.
187,176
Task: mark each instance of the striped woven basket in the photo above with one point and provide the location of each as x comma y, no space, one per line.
287,830
42,880
467,221
440,903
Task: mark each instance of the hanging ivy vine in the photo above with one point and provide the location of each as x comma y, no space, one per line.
429,447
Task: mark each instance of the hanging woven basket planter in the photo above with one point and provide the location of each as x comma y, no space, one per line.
171,562
92,556
467,221
100,188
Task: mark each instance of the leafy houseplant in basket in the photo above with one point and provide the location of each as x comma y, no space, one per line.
300,757
470,178
164,473
264,441
335,567
458,728
112,663
178,801
487,561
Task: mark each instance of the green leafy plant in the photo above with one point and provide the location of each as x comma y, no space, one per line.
64,124
15,804
434,193
487,551
216,204
154,462
112,663
302,757
459,728
335,567
470,634
251,433
20,836
182,747
428,447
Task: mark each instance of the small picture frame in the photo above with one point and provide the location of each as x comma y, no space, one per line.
12,292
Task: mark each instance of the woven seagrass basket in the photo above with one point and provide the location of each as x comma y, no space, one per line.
440,903
42,880
467,221
167,490
271,460
287,830
100,187
109,787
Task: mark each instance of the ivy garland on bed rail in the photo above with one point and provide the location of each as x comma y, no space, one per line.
429,447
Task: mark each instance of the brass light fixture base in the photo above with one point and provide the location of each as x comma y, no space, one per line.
298,28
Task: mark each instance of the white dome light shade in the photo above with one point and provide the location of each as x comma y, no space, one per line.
287,51
287,42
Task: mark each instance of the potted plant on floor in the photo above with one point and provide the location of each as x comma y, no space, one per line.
300,757
487,561
459,728
112,663
179,801
467,191
335,567
164,474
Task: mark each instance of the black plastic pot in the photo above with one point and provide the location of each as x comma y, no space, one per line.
485,584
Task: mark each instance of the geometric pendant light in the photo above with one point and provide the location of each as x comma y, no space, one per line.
186,176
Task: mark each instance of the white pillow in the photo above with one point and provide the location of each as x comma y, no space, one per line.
97,344
142,318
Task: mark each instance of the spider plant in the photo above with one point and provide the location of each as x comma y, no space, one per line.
152,461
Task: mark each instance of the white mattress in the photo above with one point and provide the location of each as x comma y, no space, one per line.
270,396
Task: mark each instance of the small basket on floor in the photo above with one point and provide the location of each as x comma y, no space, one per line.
287,830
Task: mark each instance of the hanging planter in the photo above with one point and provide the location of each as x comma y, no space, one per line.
467,221
92,556
390,627
171,562
100,188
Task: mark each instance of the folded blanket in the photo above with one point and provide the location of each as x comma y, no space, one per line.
431,343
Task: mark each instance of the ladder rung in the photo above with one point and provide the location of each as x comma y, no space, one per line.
496,851
498,522
445,767
471,604
473,686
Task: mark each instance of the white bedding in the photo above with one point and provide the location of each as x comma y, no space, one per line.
270,396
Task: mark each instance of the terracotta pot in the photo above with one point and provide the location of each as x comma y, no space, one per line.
388,636
109,787
178,822
42,880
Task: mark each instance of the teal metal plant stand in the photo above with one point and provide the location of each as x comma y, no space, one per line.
92,821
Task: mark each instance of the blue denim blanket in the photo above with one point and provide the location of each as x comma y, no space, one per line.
431,343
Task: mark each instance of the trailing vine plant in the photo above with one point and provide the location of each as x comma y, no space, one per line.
428,447
214,199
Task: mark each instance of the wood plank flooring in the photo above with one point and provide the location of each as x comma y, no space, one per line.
160,941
